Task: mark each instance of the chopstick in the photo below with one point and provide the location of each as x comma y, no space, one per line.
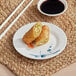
1,26
15,20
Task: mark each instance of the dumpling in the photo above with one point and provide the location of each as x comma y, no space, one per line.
44,36
33,33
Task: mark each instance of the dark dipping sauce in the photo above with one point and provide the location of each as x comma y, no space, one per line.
52,6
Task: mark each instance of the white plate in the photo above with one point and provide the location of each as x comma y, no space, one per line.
55,45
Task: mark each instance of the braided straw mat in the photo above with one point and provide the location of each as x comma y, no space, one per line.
7,7
23,66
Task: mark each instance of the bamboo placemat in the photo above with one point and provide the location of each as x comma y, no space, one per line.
22,66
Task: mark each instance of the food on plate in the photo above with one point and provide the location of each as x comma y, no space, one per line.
44,36
38,35
33,33
30,45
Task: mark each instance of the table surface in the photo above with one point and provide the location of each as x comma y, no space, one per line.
68,71
65,21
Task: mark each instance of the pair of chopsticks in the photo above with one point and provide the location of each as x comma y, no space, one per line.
5,31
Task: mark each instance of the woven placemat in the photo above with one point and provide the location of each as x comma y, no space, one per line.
23,66
7,7
22,5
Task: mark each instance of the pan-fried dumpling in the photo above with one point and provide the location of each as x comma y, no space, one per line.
44,36
33,33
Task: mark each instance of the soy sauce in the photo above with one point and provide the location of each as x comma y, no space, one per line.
52,7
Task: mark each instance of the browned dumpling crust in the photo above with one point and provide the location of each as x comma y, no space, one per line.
33,33
44,36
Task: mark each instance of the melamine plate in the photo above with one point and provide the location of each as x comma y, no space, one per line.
55,45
